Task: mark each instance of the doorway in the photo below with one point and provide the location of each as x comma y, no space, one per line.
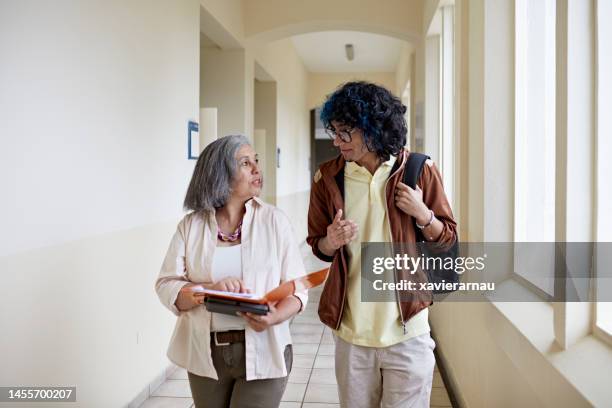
264,135
322,147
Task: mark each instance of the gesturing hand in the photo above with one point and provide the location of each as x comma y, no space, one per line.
410,201
340,232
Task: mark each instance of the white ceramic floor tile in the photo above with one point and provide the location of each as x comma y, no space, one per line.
324,362
327,350
327,338
294,392
305,348
302,328
173,388
286,404
323,376
319,405
311,311
306,319
299,375
306,338
321,393
167,402
179,374
303,360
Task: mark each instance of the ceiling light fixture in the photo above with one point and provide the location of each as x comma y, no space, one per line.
350,52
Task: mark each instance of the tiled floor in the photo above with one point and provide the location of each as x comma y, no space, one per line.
312,382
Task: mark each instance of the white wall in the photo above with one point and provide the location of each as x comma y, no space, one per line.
94,108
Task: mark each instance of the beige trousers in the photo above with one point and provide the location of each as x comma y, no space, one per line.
389,377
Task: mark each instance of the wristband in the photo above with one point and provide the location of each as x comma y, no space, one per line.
428,224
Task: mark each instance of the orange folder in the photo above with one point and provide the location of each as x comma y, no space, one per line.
275,295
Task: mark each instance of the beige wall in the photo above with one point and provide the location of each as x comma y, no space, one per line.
403,70
281,61
265,119
223,86
262,29
95,102
228,15
274,19
320,85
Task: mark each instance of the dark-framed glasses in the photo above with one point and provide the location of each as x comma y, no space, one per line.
346,135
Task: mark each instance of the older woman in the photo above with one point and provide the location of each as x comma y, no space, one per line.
231,241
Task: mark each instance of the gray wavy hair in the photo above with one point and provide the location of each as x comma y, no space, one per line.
210,185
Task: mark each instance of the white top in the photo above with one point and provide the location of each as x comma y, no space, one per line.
226,264
269,256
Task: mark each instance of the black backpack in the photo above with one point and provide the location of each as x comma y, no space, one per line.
412,172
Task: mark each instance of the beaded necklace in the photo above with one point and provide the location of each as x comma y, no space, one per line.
233,237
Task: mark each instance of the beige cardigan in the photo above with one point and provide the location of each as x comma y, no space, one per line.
270,255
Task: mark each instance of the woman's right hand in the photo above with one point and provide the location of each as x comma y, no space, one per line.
188,299
230,285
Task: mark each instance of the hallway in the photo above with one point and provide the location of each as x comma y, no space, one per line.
106,105
312,383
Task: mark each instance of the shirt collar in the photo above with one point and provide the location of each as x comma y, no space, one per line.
255,201
353,167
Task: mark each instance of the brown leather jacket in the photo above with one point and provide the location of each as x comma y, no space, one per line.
327,197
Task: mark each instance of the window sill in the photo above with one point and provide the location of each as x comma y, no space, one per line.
527,335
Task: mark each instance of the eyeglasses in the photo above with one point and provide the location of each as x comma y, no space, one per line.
345,135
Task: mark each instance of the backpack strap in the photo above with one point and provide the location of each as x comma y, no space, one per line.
412,172
414,168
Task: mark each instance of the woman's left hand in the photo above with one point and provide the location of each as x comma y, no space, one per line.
262,322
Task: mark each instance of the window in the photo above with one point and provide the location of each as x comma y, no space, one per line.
534,214
447,88
406,100
440,91
603,260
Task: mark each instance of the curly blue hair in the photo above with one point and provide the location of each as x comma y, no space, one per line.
374,110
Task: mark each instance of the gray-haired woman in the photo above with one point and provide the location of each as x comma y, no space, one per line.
231,241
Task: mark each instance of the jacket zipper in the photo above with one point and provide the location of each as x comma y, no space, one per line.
399,305
343,294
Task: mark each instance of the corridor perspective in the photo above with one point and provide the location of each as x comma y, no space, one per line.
106,105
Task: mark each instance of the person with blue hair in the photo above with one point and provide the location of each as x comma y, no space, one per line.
383,350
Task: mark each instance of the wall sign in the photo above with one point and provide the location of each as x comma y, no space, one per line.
193,140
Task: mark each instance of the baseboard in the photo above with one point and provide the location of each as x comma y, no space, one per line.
150,388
